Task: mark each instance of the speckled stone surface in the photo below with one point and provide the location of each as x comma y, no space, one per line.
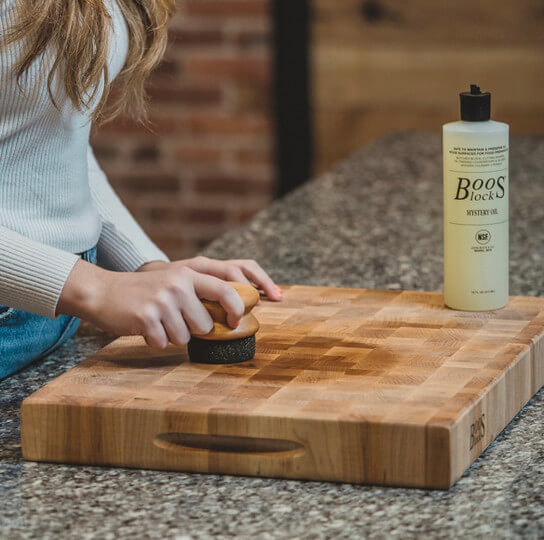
374,221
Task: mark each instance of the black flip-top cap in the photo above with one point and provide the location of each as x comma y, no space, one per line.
475,105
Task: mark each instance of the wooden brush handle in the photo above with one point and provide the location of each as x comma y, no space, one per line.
222,332
248,323
248,294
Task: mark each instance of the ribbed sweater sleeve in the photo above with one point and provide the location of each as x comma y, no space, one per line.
32,274
123,245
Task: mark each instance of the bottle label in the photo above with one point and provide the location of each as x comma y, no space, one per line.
476,223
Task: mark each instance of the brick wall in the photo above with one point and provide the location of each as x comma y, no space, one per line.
209,165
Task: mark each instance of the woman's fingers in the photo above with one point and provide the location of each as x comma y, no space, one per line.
217,290
196,316
176,327
243,271
255,273
155,335
234,273
221,269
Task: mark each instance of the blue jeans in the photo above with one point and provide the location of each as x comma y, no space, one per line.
25,337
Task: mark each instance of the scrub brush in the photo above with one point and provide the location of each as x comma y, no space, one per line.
226,345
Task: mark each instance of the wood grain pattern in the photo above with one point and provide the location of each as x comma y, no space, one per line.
353,385
399,65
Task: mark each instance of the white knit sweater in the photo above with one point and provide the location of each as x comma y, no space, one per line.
55,201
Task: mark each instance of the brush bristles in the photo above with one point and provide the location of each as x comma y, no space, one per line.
203,351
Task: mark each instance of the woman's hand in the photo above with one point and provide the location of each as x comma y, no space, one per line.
240,270
162,306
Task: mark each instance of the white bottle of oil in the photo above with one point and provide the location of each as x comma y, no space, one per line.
475,152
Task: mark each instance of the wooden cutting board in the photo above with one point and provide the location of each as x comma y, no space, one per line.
351,385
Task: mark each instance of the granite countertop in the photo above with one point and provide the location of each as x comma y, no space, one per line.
372,221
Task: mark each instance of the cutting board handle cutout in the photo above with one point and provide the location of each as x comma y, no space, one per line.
181,442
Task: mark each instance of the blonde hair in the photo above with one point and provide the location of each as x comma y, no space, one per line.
80,32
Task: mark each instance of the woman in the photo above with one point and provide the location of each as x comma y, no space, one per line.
58,213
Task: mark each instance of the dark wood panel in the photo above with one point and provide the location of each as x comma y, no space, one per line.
429,22
402,66
339,133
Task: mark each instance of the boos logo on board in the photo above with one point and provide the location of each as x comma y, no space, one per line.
480,189
477,431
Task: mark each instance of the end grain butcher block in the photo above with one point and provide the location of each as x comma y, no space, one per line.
351,385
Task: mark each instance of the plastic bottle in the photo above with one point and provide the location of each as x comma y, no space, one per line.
475,154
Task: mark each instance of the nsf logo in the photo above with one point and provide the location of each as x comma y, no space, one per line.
483,236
